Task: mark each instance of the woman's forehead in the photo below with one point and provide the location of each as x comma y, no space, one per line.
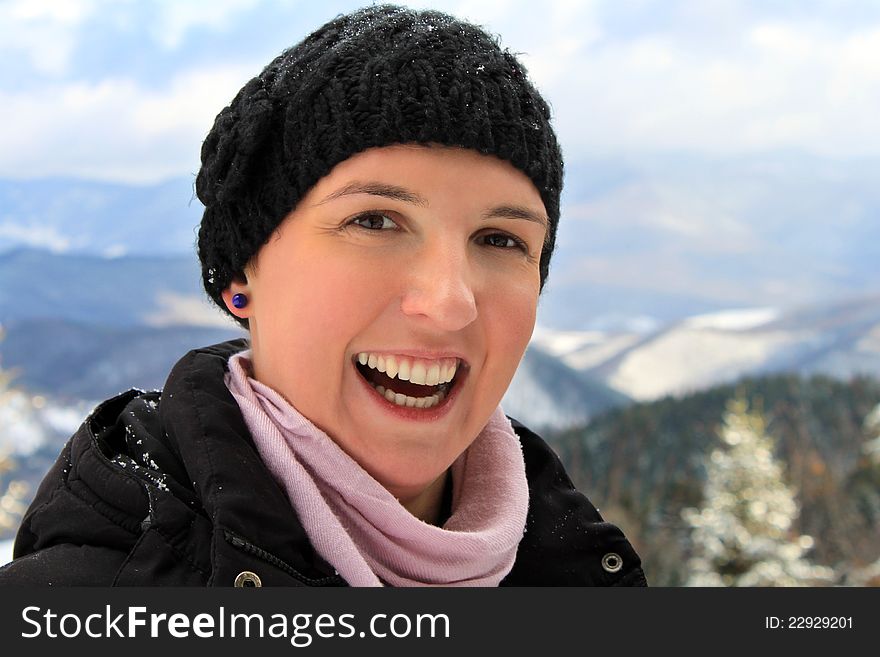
413,173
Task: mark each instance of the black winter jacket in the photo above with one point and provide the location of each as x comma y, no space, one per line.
168,489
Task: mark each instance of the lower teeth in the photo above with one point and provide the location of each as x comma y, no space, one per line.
409,402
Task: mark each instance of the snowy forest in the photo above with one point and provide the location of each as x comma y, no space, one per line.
772,481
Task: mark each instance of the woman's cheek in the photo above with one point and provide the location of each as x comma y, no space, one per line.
343,301
510,319
514,303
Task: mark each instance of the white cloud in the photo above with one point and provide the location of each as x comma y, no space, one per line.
549,37
614,90
479,12
114,129
783,86
175,19
69,12
781,40
44,31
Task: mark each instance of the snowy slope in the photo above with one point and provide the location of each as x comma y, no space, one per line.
838,339
690,358
548,394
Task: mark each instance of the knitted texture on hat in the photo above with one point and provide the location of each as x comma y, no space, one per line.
382,75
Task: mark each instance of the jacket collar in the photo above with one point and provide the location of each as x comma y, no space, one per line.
248,509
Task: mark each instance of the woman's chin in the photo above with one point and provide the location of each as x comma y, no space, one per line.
405,449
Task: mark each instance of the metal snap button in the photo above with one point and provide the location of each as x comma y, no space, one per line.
612,562
247,579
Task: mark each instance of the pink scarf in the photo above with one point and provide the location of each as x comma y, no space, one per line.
360,528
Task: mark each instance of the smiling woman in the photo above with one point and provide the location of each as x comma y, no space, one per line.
381,206
415,282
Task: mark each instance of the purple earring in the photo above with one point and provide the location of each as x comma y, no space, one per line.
239,300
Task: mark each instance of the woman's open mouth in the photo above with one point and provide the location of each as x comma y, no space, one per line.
410,382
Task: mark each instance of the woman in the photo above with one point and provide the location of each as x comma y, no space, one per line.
381,206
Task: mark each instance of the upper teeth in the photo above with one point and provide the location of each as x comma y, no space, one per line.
415,370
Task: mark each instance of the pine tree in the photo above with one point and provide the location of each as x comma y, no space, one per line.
742,535
869,575
872,426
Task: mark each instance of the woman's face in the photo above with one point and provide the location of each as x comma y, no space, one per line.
416,260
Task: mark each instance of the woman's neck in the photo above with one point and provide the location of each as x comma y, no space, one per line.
427,505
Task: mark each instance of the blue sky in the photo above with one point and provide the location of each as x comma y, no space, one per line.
127,90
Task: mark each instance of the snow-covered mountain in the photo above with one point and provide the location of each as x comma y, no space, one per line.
838,339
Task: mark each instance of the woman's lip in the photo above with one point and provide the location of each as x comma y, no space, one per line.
425,354
412,413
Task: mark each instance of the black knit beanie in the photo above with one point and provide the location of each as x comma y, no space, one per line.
379,76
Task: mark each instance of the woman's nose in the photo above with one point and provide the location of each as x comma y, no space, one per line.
440,289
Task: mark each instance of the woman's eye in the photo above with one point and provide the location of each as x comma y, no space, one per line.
374,221
502,241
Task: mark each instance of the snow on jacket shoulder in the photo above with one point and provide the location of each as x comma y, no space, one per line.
168,489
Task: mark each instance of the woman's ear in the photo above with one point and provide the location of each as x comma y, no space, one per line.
237,298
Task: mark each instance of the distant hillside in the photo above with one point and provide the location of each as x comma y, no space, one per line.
643,464
118,292
547,394
73,360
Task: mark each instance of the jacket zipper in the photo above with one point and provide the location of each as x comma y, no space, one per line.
250,548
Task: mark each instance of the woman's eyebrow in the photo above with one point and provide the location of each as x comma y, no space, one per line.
376,189
402,194
516,212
